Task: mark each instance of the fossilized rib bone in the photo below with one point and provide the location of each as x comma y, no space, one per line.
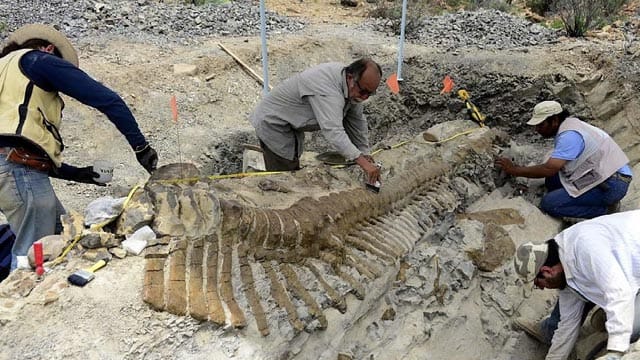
349,234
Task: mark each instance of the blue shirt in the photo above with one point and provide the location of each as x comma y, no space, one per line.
52,73
570,144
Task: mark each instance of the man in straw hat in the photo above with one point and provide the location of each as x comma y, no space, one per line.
36,64
587,173
593,262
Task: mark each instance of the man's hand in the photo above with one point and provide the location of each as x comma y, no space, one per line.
368,165
505,164
369,158
611,355
549,168
147,157
83,175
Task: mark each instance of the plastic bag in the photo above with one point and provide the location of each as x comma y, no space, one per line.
103,210
136,242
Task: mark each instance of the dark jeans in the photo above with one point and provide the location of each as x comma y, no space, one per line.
7,238
274,162
558,203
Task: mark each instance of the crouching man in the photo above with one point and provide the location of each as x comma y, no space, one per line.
587,174
37,65
593,262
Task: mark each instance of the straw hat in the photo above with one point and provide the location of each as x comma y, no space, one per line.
48,33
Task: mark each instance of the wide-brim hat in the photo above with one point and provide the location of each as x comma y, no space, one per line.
543,110
48,33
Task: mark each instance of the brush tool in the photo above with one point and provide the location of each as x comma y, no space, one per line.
83,276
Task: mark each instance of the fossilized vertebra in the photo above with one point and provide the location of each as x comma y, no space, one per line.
220,244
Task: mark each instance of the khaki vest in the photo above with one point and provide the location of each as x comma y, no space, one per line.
27,111
600,159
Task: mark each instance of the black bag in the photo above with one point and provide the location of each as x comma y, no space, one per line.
7,238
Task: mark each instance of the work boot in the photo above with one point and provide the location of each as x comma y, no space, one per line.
598,320
592,346
613,208
570,221
532,328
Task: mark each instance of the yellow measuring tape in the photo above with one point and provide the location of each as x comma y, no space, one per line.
402,143
219,177
97,227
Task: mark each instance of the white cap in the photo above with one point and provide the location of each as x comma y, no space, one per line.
543,110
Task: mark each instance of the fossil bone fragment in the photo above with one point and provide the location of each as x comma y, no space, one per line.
327,218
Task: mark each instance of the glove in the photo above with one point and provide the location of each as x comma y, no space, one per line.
147,157
611,355
69,172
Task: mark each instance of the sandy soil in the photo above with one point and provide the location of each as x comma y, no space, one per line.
107,319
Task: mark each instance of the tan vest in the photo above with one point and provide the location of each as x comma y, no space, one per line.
600,159
27,111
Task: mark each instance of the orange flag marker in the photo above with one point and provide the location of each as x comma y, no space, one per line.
174,108
392,83
448,84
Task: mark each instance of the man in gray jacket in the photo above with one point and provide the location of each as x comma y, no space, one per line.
327,97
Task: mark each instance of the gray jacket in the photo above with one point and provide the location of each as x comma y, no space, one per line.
315,99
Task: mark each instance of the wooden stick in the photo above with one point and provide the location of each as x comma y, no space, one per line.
245,66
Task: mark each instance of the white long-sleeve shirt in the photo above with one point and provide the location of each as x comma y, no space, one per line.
601,261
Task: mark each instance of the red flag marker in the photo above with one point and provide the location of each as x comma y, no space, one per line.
392,83
37,252
174,108
448,84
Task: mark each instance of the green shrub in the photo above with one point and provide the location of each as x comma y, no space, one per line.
579,16
500,5
540,7
611,8
556,24
385,10
392,11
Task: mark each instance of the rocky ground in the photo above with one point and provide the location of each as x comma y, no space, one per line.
138,48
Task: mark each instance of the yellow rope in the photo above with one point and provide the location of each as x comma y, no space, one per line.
59,259
451,137
402,143
98,227
94,227
240,175
218,177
